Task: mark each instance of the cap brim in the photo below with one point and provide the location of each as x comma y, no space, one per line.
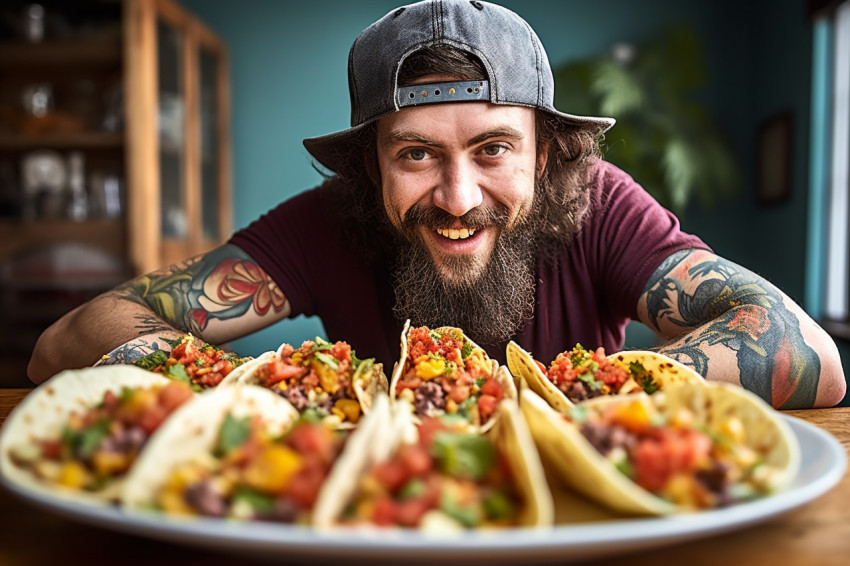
333,150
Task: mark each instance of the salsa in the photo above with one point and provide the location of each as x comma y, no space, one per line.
444,373
673,457
191,361
447,476
583,374
252,475
320,376
102,443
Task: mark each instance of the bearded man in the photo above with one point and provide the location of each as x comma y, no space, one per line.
461,196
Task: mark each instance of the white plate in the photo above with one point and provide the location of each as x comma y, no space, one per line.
823,465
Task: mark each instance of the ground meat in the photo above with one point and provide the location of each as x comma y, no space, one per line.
284,511
128,440
297,397
715,480
607,437
205,500
576,391
429,396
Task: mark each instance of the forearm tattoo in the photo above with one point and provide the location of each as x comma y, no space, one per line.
222,284
129,352
719,302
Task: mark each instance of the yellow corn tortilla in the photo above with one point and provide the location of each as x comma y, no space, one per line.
664,371
575,461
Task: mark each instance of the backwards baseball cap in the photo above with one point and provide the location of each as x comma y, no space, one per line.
518,70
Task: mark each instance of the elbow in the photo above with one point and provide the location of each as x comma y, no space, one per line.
40,368
832,384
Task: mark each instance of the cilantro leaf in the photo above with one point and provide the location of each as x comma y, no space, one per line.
463,455
232,434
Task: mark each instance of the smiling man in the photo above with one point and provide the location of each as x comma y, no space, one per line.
461,196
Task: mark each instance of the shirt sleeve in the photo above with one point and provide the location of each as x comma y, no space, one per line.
630,234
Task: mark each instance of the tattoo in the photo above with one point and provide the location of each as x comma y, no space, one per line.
740,310
129,352
222,284
148,324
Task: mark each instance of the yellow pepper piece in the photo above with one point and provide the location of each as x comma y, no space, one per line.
271,470
73,475
633,415
328,378
110,463
349,409
429,368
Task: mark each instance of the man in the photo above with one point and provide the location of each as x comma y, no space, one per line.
461,196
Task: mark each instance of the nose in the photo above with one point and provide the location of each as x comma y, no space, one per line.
458,191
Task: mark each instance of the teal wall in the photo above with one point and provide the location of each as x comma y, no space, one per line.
288,75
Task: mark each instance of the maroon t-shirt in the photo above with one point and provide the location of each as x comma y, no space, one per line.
589,298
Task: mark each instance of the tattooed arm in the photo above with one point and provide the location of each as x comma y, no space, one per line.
732,325
218,296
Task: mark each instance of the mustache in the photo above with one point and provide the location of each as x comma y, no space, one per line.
435,218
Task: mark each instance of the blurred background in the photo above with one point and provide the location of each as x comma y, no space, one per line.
136,133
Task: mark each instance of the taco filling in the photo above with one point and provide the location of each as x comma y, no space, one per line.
446,478
253,475
201,365
581,374
444,373
100,444
675,459
320,376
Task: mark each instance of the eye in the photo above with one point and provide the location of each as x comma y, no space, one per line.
415,154
493,150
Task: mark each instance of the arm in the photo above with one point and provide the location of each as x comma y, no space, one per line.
732,325
217,296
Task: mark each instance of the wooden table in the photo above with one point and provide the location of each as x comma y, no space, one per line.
816,533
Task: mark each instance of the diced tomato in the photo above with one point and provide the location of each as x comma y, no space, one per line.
110,401
409,513
173,395
659,457
383,513
51,449
491,387
392,474
152,418
408,383
415,459
279,370
305,484
428,430
459,393
313,439
487,406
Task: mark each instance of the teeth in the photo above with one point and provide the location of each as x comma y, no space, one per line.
454,234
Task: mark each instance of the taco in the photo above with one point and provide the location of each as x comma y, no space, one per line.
194,362
78,434
578,374
436,475
691,447
441,371
238,452
321,377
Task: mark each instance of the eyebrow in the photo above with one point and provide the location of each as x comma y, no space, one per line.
405,136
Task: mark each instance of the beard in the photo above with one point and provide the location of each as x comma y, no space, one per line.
489,302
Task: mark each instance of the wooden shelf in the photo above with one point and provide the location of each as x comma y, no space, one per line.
19,236
102,49
81,140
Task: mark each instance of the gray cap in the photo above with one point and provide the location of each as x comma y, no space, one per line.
518,69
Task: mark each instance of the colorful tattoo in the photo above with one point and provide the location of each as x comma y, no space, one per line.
129,352
738,309
222,284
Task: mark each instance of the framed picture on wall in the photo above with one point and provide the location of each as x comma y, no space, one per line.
773,158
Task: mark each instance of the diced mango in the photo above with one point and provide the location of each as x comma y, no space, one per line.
271,470
429,368
349,409
73,474
633,415
733,428
110,463
328,378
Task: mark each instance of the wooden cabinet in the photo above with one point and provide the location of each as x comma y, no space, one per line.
114,153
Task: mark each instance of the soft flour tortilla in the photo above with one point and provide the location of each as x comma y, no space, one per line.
192,431
664,371
46,410
390,426
366,384
574,460
500,373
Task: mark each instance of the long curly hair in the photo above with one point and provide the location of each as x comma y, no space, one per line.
561,197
